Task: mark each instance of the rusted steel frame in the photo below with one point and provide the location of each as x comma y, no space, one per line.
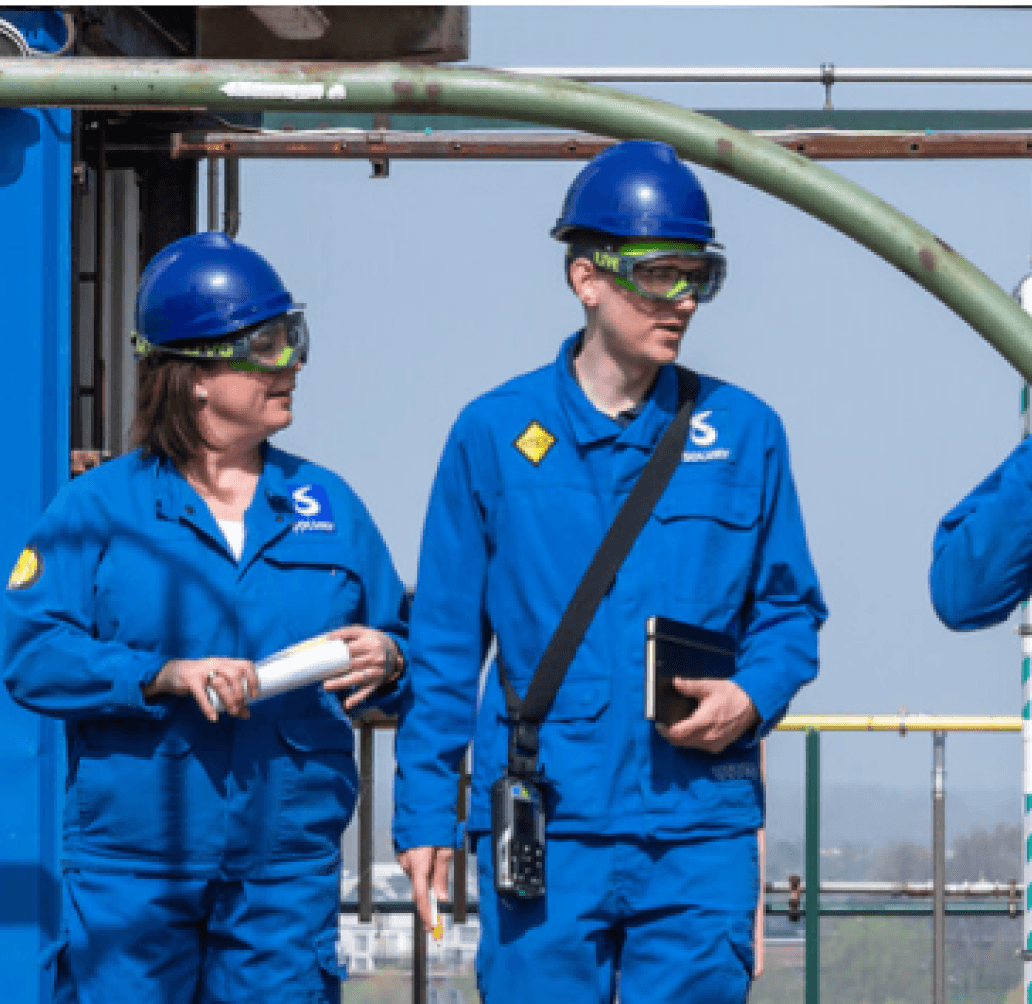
394,87
470,145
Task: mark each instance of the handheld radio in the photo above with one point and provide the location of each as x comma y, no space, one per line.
518,837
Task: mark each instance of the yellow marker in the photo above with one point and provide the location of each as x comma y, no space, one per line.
436,920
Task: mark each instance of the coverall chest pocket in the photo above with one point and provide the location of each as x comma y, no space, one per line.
316,588
706,534
574,744
318,783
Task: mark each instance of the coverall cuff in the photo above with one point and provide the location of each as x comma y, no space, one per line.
768,707
146,670
435,833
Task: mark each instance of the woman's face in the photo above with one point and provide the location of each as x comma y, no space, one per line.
241,408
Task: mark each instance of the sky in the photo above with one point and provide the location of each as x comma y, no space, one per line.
434,285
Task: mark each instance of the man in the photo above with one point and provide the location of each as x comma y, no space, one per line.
982,551
651,860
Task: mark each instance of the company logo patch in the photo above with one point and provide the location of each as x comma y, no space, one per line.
704,435
312,509
534,442
27,569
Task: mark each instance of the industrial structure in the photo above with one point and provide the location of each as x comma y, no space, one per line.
99,170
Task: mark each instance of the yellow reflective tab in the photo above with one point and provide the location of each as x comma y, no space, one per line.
27,569
534,442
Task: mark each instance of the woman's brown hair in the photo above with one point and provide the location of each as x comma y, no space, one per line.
167,408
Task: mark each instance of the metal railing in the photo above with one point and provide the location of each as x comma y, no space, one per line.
798,898
799,902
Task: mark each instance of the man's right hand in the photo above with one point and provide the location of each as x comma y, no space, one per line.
426,867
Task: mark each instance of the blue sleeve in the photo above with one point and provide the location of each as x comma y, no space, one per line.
53,662
449,640
982,550
779,643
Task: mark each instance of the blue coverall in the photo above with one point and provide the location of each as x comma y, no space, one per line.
530,480
200,860
982,550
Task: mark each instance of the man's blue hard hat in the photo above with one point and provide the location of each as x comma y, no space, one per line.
637,189
206,287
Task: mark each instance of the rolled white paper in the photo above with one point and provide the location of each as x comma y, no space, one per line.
307,662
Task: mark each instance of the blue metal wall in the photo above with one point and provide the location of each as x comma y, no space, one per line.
35,262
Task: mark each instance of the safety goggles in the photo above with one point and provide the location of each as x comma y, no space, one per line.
273,345
670,274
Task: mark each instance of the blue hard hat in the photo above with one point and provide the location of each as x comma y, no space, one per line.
206,287
637,189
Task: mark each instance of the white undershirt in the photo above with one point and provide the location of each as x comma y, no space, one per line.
233,531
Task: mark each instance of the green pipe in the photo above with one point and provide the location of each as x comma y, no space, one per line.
391,87
813,867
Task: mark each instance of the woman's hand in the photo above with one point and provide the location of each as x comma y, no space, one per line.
374,659
234,680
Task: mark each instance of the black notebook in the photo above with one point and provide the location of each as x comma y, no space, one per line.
673,648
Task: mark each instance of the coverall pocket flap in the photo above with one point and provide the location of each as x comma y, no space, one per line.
135,741
315,551
580,699
305,736
725,502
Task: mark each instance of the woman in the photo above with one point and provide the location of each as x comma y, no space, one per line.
201,849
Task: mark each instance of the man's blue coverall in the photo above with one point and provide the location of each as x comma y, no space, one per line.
530,480
198,857
982,550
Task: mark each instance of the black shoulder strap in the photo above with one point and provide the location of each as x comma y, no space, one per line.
580,611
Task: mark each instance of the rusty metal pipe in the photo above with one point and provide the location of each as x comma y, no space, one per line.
392,87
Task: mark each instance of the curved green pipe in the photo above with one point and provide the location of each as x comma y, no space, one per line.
239,86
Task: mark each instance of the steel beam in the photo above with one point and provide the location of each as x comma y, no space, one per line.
471,145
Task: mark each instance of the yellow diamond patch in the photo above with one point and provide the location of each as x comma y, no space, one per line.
26,569
534,442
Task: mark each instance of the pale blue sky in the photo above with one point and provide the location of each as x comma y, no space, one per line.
436,284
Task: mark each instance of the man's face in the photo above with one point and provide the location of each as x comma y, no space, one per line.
633,328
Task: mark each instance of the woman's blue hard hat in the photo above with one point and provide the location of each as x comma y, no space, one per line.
205,287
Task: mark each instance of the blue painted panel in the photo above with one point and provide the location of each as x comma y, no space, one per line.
35,262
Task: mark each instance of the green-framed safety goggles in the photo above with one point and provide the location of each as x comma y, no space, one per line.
662,272
273,345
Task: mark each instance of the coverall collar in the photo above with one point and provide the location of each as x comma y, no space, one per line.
591,426
269,515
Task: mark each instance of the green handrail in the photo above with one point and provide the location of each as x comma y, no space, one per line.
392,87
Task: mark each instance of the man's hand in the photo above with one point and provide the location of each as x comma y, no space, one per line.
725,712
234,680
426,866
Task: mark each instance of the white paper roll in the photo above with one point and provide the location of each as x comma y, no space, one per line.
307,662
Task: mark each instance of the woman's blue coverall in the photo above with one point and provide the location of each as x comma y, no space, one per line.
200,860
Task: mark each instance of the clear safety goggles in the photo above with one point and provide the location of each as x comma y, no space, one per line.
664,274
273,345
